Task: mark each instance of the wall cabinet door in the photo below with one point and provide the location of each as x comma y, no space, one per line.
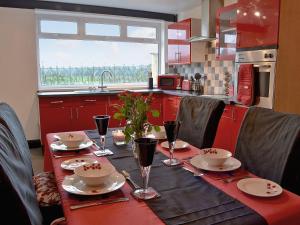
257,23
179,49
226,32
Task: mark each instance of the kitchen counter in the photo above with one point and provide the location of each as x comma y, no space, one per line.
181,93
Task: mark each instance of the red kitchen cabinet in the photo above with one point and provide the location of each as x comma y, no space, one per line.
179,49
56,115
226,32
88,107
257,23
59,114
170,107
229,126
157,104
112,101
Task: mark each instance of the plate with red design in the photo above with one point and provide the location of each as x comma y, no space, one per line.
74,185
71,164
259,187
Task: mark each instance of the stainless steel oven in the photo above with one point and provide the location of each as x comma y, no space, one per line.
264,63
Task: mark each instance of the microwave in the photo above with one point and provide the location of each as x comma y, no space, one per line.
169,81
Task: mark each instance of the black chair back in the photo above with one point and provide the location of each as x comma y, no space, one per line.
200,117
268,146
9,118
17,194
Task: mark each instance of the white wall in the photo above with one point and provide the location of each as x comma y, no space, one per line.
18,67
229,2
196,11
192,13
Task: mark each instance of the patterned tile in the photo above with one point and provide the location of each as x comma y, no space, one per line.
213,69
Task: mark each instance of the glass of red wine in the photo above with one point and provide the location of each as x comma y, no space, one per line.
102,125
145,153
172,128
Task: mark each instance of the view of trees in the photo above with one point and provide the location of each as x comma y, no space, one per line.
68,76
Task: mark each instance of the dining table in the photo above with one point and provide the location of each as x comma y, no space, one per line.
280,210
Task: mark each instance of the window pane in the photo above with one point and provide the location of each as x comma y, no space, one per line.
80,62
59,27
102,29
141,32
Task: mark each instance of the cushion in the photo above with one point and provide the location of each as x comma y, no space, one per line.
46,189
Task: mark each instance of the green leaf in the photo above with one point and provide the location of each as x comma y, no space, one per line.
155,113
118,116
156,128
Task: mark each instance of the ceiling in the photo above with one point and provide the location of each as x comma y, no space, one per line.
163,6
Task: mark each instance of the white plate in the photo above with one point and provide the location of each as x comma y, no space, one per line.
71,164
230,164
74,185
259,187
178,144
58,145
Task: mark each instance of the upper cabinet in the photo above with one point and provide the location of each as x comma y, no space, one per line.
257,23
226,32
180,50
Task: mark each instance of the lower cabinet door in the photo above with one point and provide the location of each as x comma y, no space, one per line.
55,119
85,113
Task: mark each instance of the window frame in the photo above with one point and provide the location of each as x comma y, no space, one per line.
82,18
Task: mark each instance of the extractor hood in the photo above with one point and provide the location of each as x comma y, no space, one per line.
208,20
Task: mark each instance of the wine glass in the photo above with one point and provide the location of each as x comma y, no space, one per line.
102,125
172,128
145,153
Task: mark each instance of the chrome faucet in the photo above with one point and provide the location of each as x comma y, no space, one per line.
102,75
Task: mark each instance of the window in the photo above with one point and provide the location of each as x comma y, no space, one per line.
102,29
59,27
74,51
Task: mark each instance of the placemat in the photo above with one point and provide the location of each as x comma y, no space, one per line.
185,199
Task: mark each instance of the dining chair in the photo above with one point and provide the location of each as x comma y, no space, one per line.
268,146
199,118
17,192
44,183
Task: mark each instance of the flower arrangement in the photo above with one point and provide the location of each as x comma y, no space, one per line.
135,109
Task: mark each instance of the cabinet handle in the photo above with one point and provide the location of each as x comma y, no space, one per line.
71,113
56,102
179,56
77,113
90,100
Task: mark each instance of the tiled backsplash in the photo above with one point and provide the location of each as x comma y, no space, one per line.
213,69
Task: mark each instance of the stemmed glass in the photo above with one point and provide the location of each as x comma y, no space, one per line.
172,128
102,125
145,152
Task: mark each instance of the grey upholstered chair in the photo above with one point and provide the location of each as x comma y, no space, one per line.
200,117
268,145
16,158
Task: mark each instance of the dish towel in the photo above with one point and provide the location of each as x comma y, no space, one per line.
245,90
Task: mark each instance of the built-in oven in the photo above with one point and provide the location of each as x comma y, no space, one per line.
264,63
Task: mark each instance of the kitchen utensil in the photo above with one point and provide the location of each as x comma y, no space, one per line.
259,187
74,185
69,155
145,153
59,146
103,202
127,176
